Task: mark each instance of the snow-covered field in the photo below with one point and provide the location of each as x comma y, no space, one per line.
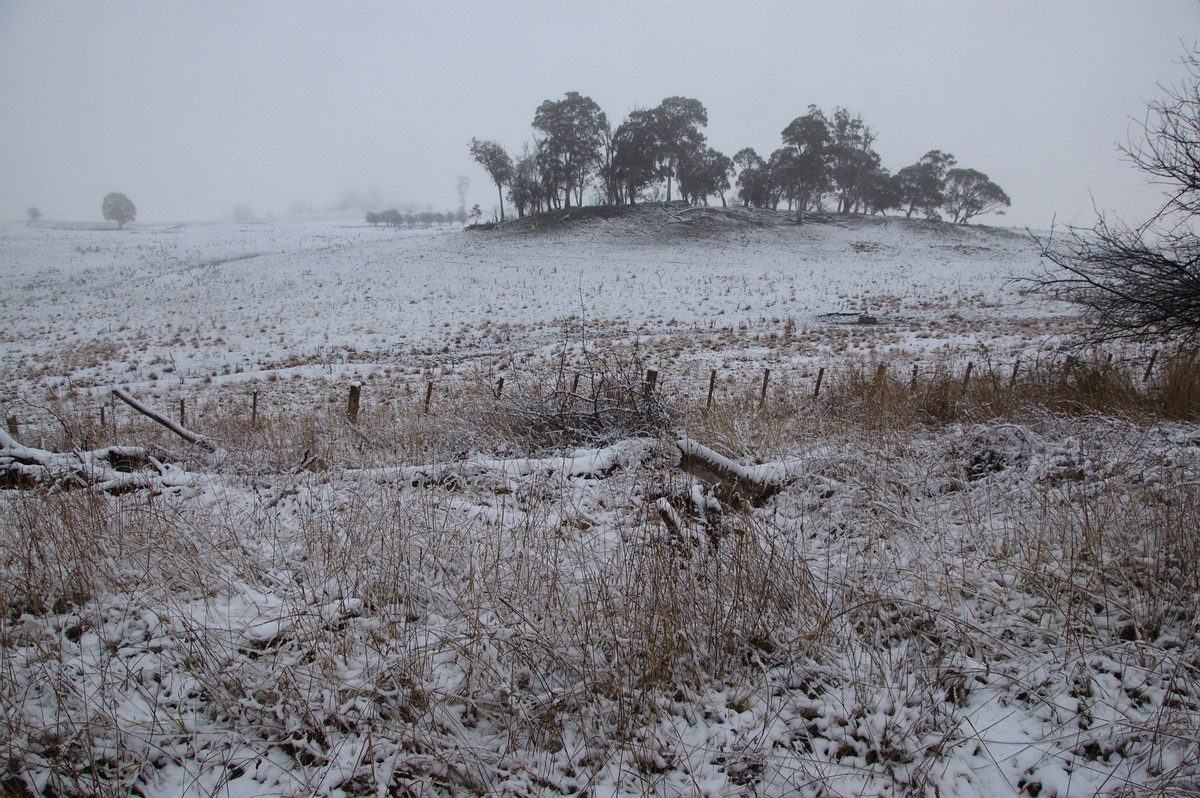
160,303
990,607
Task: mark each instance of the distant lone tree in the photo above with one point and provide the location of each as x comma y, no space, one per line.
243,213
34,214
117,208
970,193
496,162
1142,282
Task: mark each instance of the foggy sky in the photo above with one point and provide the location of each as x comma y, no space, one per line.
192,108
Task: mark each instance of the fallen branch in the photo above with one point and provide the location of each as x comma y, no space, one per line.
582,463
751,483
189,436
113,469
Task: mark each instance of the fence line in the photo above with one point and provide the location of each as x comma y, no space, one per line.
652,379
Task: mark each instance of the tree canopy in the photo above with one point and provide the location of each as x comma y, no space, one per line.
969,193
828,163
573,131
496,162
116,207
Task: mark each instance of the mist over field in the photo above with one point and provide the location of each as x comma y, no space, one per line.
195,110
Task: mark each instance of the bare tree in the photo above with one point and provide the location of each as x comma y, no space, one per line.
1142,281
1131,283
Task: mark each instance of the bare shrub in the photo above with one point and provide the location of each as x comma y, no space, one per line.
608,395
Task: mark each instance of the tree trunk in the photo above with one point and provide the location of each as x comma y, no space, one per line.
500,191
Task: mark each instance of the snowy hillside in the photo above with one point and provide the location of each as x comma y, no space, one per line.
206,300
868,533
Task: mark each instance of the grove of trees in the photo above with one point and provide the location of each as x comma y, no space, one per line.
116,207
394,218
827,163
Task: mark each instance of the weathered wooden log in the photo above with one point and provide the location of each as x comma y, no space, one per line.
732,481
189,436
112,469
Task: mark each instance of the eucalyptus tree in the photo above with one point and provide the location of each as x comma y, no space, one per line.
970,193
496,162
808,170
923,184
573,131
677,122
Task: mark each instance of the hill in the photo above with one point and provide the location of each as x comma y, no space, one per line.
628,504
207,301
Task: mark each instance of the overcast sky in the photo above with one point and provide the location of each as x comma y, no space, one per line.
192,108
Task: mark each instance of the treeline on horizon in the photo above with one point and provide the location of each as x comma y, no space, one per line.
826,163
394,218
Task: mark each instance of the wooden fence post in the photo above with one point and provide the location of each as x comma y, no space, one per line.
712,385
649,383
254,409
1016,370
762,397
352,402
820,377
1150,366
182,412
499,387
428,396
14,429
967,375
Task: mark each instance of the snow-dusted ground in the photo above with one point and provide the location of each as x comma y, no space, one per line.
981,610
194,301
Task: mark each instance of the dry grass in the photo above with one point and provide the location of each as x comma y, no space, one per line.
948,543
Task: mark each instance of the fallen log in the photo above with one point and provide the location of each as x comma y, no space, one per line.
113,469
732,481
189,436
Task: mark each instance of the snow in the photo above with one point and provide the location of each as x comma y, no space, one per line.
989,609
192,301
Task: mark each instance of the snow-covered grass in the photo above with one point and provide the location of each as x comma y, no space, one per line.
978,584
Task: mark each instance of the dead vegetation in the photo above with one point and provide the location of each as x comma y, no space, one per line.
931,548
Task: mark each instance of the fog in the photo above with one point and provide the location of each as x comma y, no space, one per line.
191,109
